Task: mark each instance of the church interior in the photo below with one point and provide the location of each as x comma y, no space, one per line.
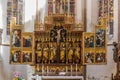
59,40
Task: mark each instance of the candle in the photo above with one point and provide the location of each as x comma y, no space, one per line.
66,69
76,67
71,70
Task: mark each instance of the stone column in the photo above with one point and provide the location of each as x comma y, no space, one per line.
119,21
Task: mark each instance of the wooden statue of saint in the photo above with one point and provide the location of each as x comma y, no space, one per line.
62,53
52,54
45,58
70,54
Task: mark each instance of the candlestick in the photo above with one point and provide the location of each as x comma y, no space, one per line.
38,68
76,69
47,70
42,69
71,70
66,69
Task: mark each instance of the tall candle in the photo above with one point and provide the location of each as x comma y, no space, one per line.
66,69
76,67
54,6
71,70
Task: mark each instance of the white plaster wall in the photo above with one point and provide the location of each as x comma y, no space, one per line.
30,10
78,11
94,14
3,23
89,15
30,13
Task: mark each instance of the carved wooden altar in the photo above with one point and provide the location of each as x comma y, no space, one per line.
58,43
58,46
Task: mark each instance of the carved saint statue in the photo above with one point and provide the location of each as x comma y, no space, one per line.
45,54
70,54
52,53
58,35
39,56
62,53
77,54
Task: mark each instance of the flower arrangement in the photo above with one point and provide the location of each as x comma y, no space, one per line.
17,76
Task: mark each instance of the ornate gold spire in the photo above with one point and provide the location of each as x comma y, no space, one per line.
37,12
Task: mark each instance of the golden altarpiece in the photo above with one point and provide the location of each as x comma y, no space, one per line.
59,47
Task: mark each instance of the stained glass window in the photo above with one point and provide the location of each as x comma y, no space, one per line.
15,8
106,9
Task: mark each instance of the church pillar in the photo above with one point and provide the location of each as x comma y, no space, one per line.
84,13
89,15
119,21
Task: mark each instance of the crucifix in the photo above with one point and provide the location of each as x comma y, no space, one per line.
58,35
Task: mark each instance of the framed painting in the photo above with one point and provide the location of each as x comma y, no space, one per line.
15,56
89,57
16,34
27,40
100,36
27,57
88,41
100,56
88,48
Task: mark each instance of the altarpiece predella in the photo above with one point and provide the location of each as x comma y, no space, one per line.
60,44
